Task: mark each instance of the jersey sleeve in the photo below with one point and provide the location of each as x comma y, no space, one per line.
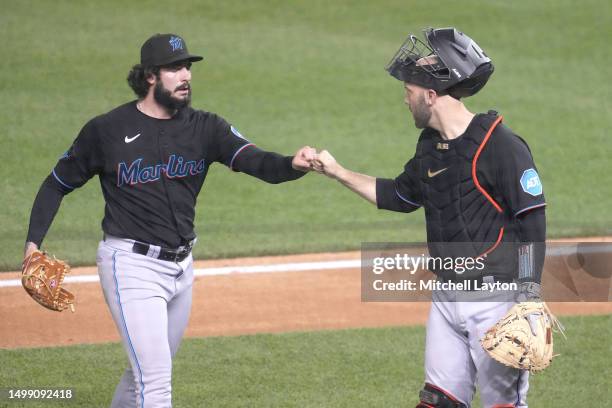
270,167
45,207
81,161
226,143
402,194
517,176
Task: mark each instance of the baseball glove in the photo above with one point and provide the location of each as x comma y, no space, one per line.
523,338
42,278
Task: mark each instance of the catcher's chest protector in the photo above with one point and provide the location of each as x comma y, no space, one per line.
460,203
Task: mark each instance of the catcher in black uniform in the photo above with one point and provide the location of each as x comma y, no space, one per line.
480,188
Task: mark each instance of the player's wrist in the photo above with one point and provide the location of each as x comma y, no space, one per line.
29,248
339,173
529,292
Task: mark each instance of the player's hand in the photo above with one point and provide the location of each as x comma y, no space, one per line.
303,158
326,164
29,248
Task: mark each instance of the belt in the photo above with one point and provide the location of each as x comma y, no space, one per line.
165,254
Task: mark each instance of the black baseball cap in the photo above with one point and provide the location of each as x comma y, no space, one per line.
164,49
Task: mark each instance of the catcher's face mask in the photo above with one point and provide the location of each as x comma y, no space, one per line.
450,63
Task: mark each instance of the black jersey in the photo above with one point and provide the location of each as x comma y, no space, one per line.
151,170
473,188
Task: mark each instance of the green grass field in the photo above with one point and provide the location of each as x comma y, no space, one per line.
289,73
286,74
348,368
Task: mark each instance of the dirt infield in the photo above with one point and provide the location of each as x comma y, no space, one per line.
230,305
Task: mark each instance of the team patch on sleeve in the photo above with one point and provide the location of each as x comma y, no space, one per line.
530,182
237,133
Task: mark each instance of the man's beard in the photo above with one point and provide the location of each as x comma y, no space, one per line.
171,104
421,114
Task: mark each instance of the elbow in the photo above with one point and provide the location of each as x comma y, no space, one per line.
52,183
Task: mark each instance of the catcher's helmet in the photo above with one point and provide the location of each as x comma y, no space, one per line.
451,63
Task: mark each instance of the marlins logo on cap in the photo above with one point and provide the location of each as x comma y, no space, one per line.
165,49
176,43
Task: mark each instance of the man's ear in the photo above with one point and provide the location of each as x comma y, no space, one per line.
151,78
430,97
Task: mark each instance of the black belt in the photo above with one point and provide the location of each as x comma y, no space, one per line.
165,254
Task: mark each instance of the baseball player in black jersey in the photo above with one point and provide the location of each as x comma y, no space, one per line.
480,190
152,156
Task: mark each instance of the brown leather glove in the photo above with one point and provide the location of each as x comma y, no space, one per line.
42,278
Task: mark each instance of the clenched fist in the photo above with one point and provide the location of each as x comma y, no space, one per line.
303,158
325,163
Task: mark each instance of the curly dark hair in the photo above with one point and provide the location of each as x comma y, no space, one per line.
137,79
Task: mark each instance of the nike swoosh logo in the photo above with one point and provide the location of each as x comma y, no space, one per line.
131,139
431,174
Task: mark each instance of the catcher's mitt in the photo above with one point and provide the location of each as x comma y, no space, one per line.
523,338
42,278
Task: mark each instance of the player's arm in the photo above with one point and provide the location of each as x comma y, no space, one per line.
226,145
362,184
43,212
272,167
384,193
532,250
521,191
73,169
